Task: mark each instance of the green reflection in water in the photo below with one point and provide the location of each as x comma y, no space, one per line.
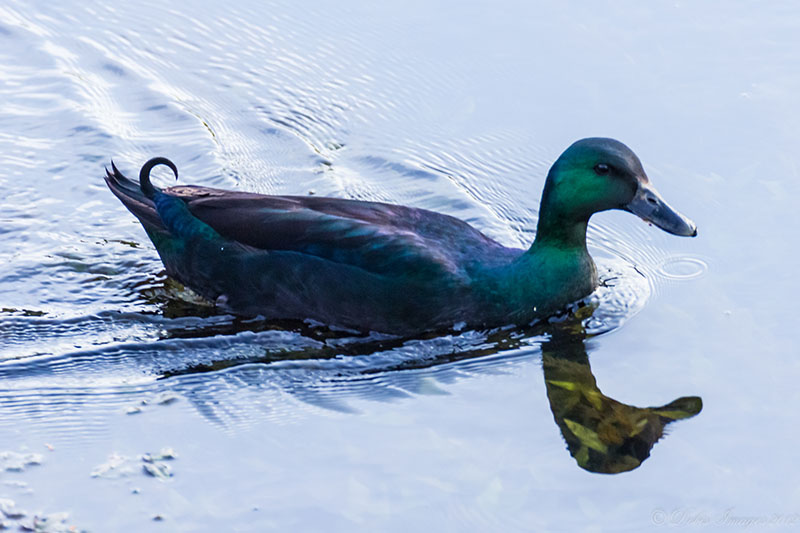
602,434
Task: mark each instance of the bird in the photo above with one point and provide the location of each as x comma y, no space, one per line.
378,267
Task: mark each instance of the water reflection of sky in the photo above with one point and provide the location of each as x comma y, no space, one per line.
451,107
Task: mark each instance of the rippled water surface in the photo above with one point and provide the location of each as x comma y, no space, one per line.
126,404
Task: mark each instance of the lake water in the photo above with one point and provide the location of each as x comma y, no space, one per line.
125,407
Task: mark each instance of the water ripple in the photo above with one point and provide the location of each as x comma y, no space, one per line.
683,268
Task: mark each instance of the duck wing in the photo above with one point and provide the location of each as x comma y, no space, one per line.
384,239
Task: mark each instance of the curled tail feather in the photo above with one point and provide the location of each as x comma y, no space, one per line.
144,175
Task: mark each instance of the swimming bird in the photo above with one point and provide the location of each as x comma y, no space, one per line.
374,266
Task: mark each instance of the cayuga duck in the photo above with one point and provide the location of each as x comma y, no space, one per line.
390,268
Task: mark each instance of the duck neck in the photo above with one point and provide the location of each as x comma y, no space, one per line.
557,269
557,230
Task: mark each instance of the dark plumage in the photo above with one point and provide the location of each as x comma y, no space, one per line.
375,266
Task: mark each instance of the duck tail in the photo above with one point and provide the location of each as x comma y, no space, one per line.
134,198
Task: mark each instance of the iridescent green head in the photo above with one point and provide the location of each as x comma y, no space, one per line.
598,174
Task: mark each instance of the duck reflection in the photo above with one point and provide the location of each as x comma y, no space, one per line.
602,434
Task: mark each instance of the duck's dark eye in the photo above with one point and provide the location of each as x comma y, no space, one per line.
601,169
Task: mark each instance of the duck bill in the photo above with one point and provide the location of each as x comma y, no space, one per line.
651,207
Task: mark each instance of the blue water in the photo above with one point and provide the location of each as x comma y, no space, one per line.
451,107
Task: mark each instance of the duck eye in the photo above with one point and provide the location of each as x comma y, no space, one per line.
601,169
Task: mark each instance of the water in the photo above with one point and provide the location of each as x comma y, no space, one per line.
451,107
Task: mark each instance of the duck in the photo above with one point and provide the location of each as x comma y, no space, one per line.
378,267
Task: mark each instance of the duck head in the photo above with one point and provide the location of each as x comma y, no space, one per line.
598,174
